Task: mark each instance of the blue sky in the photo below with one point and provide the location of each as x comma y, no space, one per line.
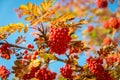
7,16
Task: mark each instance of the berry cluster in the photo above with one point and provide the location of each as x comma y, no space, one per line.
45,74
95,65
4,73
111,59
107,41
31,74
5,51
66,71
74,50
114,23
28,56
40,74
58,40
102,3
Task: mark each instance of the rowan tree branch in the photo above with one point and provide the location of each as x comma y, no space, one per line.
16,46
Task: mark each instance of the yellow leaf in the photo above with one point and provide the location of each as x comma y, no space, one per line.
35,63
64,17
23,7
35,10
11,28
20,30
26,29
33,22
44,6
74,36
29,18
29,4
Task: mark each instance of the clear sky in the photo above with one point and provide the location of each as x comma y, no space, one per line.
7,16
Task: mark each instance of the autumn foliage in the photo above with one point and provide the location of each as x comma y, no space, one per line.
68,28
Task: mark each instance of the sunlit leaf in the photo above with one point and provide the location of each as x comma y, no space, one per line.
23,7
44,6
29,4
64,17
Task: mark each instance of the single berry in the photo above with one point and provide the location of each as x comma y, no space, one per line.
35,53
25,52
25,56
90,28
28,46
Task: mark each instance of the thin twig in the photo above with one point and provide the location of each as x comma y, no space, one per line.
12,45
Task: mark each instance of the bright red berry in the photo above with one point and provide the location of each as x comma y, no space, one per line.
28,56
32,47
25,52
28,46
25,56
35,53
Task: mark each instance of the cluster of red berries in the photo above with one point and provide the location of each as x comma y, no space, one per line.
28,56
74,50
31,74
95,65
107,41
114,22
102,3
67,71
58,40
45,74
111,59
40,74
5,51
4,73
